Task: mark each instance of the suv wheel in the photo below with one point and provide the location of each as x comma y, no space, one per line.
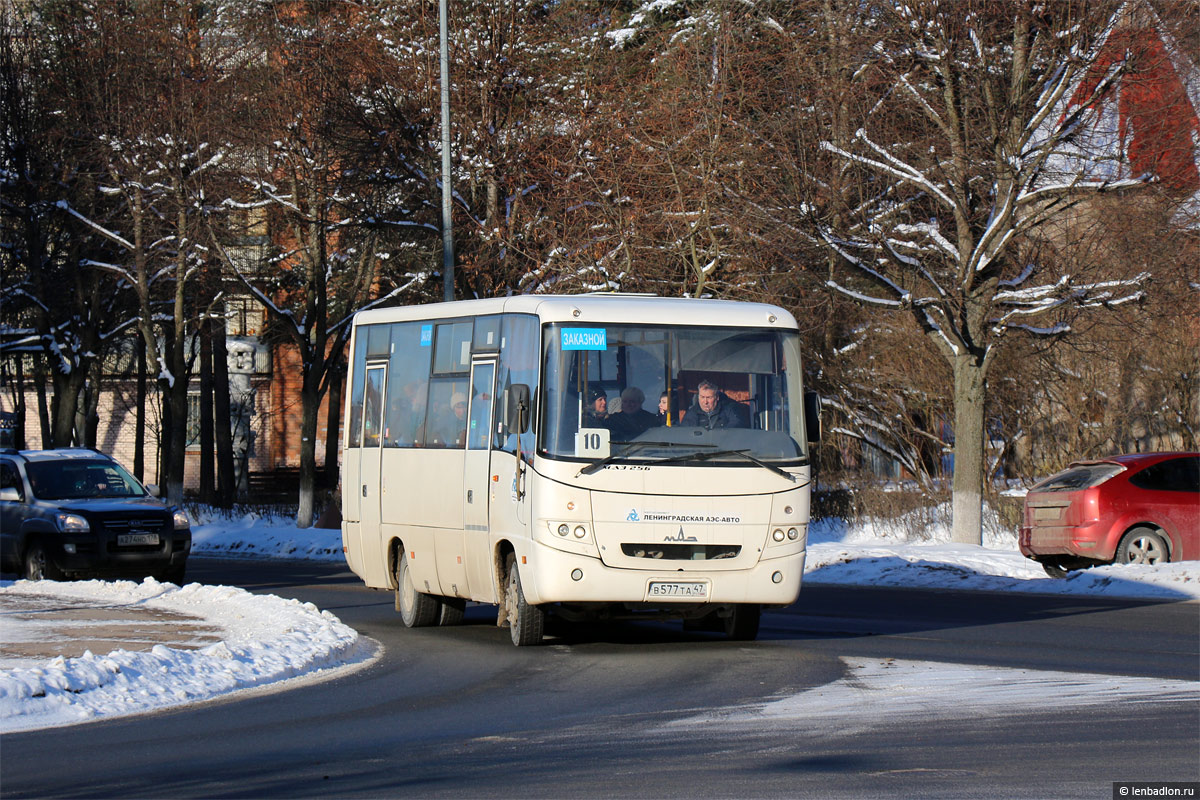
38,564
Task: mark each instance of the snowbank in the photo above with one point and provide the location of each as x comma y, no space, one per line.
268,639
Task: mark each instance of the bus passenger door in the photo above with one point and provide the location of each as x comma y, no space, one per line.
369,488
477,477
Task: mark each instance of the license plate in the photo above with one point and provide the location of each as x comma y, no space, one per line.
133,539
681,591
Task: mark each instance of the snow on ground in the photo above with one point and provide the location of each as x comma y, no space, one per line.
897,690
269,639
880,555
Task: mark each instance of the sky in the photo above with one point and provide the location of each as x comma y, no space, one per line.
263,642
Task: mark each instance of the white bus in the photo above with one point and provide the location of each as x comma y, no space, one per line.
485,460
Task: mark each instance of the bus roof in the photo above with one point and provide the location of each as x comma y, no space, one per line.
608,308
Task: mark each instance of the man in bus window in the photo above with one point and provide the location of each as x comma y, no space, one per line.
714,409
632,420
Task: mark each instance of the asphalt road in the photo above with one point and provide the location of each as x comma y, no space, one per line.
460,712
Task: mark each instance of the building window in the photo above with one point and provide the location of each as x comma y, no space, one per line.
243,317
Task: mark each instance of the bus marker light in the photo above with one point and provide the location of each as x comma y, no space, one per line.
523,561
576,574
777,577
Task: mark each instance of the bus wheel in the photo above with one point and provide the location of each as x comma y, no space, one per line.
526,622
451,610
742,624
416,609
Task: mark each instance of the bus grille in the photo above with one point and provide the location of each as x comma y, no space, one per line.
682,552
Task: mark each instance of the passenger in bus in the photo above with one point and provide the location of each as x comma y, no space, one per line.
668,408
456,434
714,409
597,409
632,420
410,419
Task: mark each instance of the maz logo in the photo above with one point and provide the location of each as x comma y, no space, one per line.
679,537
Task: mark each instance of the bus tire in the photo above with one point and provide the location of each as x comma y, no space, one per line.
417,610
451,611
526,622
742,624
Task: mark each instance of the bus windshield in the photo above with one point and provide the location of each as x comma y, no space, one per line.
672,394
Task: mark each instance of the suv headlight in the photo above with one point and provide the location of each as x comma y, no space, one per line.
181,521
72,523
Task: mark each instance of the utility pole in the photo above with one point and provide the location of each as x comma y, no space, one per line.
447,230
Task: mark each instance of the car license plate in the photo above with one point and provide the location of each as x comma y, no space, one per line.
680,590
134,539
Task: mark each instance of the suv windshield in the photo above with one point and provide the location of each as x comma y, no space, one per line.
682,394
67,480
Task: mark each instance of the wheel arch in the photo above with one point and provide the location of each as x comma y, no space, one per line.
1153,527
30,532
500,554
395,546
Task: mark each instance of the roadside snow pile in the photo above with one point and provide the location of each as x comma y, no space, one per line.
269,639
251,534
906,554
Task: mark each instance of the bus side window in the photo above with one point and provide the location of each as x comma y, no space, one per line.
408,382
446,416
518,363
359,371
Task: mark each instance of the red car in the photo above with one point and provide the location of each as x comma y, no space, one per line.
1134,509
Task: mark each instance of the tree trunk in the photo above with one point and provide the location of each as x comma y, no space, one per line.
63,405
223,433
139,434
164,437
969,396
333,421
207,494
177,437
91,406
39,381
310,404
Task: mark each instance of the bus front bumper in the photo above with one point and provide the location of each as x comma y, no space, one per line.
562,577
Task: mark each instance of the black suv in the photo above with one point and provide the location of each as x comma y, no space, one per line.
69,513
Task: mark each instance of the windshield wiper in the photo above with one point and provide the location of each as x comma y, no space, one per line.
719,453
624,451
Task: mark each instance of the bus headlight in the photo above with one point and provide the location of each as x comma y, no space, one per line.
777,534
580,531
564,529
793,534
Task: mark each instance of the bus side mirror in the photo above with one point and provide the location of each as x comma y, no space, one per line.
10,495
517,408
812,416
